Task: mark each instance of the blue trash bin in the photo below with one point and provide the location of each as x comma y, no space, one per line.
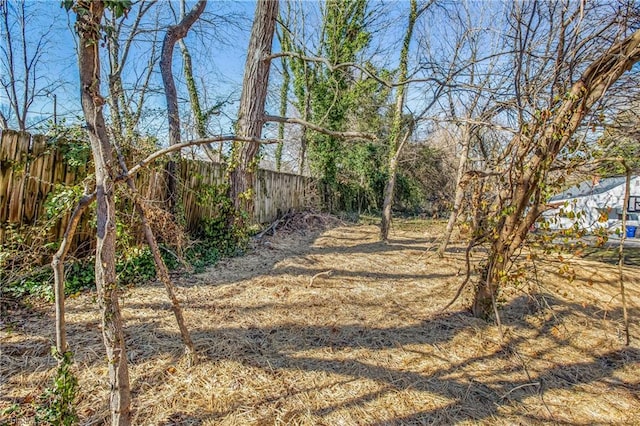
631,231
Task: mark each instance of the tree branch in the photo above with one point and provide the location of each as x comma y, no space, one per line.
222,138
319,129
57,264
389,84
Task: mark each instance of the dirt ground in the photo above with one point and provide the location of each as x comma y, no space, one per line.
336,328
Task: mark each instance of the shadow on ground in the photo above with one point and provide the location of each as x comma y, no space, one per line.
475,387
476,394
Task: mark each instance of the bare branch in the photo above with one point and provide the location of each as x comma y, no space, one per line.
172,148
319,129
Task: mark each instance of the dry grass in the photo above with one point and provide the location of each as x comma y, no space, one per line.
362,343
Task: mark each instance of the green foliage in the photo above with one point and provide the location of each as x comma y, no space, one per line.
333,93
134,264
71,141
20,256
137,265
61,200
219,234
26,249
37,285
56,405
79,275
344,29
118,7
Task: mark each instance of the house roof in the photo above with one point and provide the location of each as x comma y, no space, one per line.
589,188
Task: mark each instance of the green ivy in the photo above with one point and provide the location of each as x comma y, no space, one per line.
56,405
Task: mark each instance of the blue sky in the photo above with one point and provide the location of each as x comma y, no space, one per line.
224,59
218,61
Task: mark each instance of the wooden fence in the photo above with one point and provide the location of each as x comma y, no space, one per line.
31,168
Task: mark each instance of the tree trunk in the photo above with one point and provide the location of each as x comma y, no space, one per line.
88,26
488,287
533,157
199,117
385,224
244,161
57,264
161,267
459,195
174,33
395,146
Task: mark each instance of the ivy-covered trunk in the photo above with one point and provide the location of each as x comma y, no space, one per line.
395,145
88,25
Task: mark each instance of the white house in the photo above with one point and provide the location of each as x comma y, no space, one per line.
594,204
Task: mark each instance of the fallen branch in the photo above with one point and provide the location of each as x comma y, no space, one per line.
520,387
271,227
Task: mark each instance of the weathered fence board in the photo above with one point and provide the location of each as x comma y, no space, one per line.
30,169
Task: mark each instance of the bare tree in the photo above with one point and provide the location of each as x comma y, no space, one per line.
173,34
200,115
88,23
126,106
22,75
556,42
474,100
297,72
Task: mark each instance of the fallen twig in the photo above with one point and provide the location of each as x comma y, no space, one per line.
325,273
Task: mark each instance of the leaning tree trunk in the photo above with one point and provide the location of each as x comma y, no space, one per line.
395,145
251,117
88,25
174,33
161,267
533,157
57,264
459,195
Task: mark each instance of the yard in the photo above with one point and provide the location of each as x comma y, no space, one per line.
332,327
